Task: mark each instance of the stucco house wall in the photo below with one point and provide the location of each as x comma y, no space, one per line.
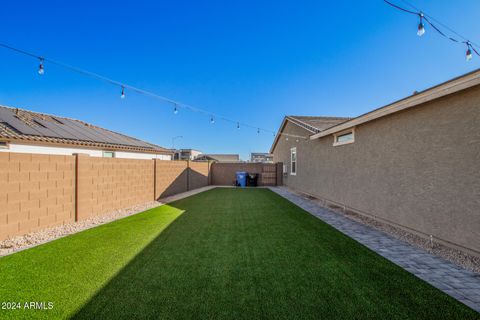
418,169
57,150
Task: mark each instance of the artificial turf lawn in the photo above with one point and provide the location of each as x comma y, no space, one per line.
224,253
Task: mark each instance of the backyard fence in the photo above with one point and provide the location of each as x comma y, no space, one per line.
223,173
40,191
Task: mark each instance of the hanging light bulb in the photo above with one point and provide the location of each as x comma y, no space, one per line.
123,93
469,55
286,138
40,67
212,120
175,110
421,27
238,125
297,141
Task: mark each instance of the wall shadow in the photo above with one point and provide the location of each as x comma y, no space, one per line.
222,261
132,291
188,179
178,185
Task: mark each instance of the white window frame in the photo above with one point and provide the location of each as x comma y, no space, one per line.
341,133
292,152
107,151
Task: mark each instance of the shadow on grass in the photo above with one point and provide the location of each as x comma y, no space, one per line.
248,254
137,289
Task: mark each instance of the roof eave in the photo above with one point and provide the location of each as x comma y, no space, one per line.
83,145
277,136
452,86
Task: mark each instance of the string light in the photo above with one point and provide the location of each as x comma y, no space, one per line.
427,18
469,52
421,27
41,70
138,90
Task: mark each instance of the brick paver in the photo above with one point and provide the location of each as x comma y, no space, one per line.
459,283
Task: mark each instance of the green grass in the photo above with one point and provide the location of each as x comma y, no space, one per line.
225,253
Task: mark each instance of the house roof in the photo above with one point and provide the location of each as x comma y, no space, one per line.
33,127
310,123
219,157
261,154
317,124
321,126
418,98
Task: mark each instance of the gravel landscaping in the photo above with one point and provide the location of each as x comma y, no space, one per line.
36,238
460,258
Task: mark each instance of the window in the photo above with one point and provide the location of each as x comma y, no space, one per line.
3,145
344,137
293,161
108,154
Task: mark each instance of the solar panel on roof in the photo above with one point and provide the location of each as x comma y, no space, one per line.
49,126
58,121
87,131
44,129
58,129
8,116
78,131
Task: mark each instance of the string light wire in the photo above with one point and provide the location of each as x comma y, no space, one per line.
137,90
428,18
439,23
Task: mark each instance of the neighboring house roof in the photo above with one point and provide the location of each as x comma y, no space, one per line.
418,98
219,157
265,154
310,123
38,128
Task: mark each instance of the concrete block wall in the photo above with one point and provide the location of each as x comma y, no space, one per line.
225,173
109,184
40,191
36,192
174,177
199,174
170,178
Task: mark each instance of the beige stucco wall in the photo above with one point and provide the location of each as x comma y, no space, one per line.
419,169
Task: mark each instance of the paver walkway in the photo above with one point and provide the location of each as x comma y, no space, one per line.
459,283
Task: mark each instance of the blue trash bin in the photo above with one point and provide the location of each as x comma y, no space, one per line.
242,179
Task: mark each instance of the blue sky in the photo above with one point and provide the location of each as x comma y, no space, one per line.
254,61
